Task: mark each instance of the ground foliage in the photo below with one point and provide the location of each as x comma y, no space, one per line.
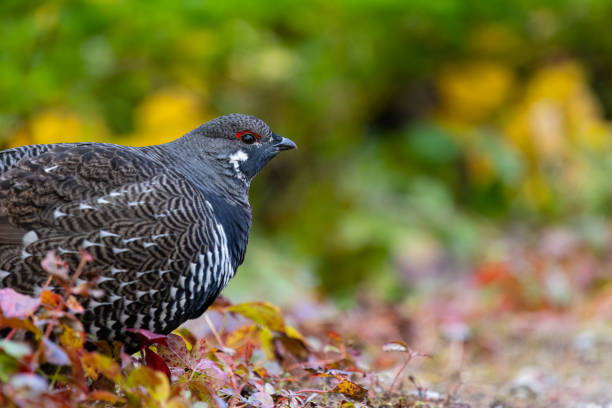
495,338
264,363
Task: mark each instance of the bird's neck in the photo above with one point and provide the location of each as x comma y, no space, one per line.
227,194
207,173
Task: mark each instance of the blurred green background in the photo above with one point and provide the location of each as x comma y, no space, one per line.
429,131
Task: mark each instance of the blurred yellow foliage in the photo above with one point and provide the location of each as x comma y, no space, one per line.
160,118
471,91
166,115
58,126
552,126
557,114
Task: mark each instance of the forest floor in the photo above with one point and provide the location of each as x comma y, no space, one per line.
538,359
532,331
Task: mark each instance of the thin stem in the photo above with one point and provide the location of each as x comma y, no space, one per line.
11,334
214,331
402,368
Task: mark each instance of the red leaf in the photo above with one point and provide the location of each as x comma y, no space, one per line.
175,355
154,361
146,338
177,344
16,305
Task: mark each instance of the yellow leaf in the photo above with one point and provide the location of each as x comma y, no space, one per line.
266,338
54,126
155,382
240,336
71,338
101,395
351,390
166,115
96,363
471,91
294,333
263,313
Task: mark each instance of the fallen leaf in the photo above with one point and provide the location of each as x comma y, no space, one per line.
289,345
351,390
106,396
50,299
71,338
16,305
262,399
96,363
262,313
154,381
396,346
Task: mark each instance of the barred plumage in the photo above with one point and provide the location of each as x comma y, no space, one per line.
167,225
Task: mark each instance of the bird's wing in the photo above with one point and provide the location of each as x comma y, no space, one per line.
151,233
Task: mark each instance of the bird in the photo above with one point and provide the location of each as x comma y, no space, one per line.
166,225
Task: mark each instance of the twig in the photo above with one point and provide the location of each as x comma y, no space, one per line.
214,331
402,368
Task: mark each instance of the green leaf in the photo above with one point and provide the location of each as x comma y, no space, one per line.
15,349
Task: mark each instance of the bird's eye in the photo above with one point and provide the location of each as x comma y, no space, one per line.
247,137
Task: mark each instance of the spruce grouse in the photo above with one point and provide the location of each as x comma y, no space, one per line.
166,225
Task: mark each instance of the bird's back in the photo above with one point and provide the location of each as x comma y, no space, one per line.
161,251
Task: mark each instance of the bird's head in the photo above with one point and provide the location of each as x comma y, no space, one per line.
237,146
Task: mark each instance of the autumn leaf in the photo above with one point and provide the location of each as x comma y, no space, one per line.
50,299
106,396
156,383
396,346
351,390
203,392
74,305
71,338
262,399
211,370
296,347
16,305
262,313
154,361
96,363
175,353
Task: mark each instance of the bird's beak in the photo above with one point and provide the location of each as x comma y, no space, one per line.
282,143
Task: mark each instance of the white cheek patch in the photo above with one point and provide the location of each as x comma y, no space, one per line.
235,159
